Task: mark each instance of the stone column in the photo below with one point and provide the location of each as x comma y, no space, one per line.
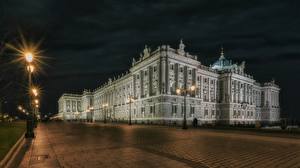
194,80
149,81
208,89
201,87
167,77
215,82
176,75
158,77
134,86
185,77
163,75
141,83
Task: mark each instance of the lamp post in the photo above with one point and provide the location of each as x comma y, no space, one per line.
104,107
131,99
185,91
36,102
30,68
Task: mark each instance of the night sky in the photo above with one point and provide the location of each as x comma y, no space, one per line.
86,42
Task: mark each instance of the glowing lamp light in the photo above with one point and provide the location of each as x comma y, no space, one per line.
178,91
20,108
35,91
28,57
36,101
193,88
30,68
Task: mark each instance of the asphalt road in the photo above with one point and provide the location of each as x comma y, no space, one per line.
60,144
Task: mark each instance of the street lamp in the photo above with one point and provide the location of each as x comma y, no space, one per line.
20,108
185,91
105,106
30,54
130,100
30,68
36,102
34,92
28,57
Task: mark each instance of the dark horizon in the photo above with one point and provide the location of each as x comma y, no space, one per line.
86,43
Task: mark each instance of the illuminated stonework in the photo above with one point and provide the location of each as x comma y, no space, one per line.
224,92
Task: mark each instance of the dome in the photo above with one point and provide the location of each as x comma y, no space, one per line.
222,63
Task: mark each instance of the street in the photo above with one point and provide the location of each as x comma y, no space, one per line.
62,144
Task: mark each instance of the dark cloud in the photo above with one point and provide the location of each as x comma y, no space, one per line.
89,40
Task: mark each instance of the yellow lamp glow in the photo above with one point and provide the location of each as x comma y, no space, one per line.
20,108
36,101
28,57
35,91
30,68
178,91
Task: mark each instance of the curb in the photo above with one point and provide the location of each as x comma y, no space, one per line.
12,153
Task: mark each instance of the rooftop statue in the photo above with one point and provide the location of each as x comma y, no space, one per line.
181,48
146,52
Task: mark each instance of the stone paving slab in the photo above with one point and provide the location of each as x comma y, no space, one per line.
107,145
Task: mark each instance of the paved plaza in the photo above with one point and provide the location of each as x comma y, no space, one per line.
60,144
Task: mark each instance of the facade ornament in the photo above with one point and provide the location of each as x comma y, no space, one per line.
133,61
273,81
222,53
181,48
141,57
146,52
242,67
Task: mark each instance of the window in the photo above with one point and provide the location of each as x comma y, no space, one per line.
181,69
154,69
174,110
146,73
172,66
198,78
137,76
143,111
212,112
190,72
152,110
192,110
206,112
68,104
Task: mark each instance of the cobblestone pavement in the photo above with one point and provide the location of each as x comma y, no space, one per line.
106,145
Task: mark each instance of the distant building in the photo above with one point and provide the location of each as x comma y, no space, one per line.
224,92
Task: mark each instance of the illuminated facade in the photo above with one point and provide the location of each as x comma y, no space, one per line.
224,93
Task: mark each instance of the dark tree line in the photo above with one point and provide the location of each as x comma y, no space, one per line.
12,77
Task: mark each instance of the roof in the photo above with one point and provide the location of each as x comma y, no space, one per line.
222,63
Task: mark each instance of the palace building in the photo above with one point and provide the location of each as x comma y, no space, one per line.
165,84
